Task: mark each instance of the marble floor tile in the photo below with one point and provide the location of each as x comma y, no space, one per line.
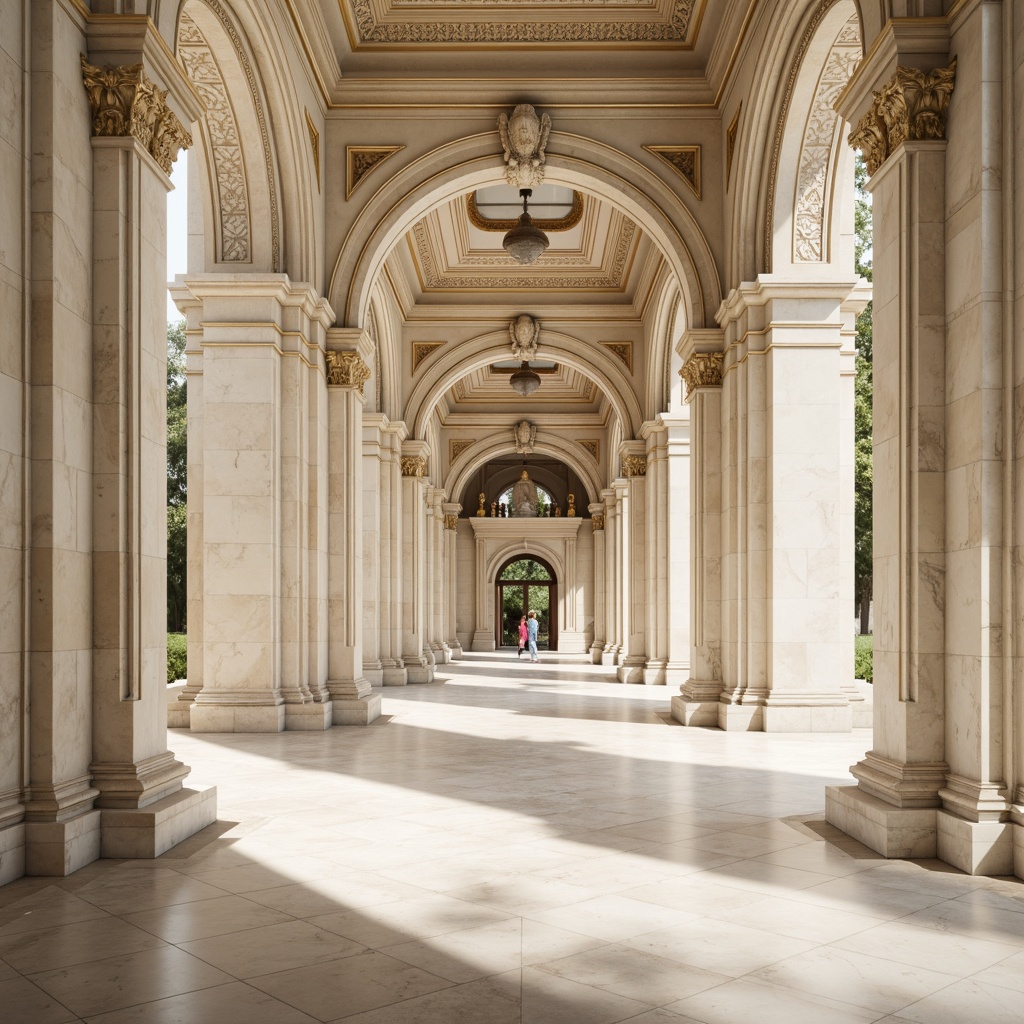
515,848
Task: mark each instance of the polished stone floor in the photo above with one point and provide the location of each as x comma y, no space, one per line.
515,843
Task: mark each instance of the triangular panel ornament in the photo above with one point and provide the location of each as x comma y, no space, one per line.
360,160
422,350
621,349
684,160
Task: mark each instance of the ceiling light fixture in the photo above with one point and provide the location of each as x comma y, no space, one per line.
524,381
525,242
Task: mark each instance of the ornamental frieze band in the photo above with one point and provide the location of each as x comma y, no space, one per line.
125,103
911,107
702,370
346,370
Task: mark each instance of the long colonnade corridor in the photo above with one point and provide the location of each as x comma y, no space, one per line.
515,843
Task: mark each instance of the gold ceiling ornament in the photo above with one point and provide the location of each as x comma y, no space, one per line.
414,465
623,350
730,142
125,103
911,107
634,465
702,370
684,160
570,220
456,448
422,350
360,160
593,446
597,521
346,370
314,143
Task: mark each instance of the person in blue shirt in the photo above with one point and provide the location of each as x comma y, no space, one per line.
532,628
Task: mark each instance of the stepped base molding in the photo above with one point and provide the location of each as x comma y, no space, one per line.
740,717
975,847
394,675
310,717
697,703
888,830
899,784
631,669
596,650
147,832
58,848
807,712
354,702
237,717
483,640
420,670
654,673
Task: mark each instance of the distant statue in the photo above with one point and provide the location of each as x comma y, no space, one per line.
525,434
524,333
524,496
524,137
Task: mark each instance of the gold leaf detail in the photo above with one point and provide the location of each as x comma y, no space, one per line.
702,370
346,370
360,160
684,160
421,350
622,349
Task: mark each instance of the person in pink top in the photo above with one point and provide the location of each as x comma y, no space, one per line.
522,635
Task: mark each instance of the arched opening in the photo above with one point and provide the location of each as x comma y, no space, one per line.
525,584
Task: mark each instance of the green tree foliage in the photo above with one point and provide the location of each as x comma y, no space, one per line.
177,462
863,387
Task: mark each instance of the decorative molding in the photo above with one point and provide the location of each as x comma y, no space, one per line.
597,522
314,143
346,370
523,138
592,446
451,521
570,220
622,349
524,334
702,370
456,448
684,160
414,465
422,350
814,176
126,103
730,143
360,160
376,23
634,465
524,434
912,106
378,369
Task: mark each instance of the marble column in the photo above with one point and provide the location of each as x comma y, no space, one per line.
374,474
681,561
351,693
393,671
633,593
436,579
657,555
698,700
416,654
613,624
600,611
450,571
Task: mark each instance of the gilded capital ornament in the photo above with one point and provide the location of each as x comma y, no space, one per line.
346,370
451,520
414,465
702,370
911,107
634,465
597,522
125,103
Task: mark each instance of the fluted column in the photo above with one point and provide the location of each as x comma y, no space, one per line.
354,701
633,594
416,654
449,602
600,611
698,702
438,644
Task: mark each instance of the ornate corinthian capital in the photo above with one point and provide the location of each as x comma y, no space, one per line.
126,103
414,465
911,106
597,522
451,521
634,465
346,370
702,370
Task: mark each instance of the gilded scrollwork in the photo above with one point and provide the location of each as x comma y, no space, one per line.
451,521
911,107
414,465
346,370
634,465
125,103
702,370
597,522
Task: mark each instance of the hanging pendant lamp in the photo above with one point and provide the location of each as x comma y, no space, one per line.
525,242
524,381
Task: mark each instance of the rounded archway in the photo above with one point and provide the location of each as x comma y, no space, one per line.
526,584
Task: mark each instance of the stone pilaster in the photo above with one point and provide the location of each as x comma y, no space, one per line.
893,807
393,671
416,654
698,700
680,559
597,513
657,554
451,577
436,579
632,598
613,625
374,481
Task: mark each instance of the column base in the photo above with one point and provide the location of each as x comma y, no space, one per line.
741,717
654,673
356,710
311,717
596,650
394,676
58,848
631,669
456,648
237,717
374,673
572,642
1018,850
147,832
975,847
888,830
676,673
698,713
791,716
483,640
610,655
419,673
12,852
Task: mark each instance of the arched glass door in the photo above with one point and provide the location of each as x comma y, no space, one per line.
526,584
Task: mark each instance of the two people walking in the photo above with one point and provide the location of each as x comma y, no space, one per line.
528,629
